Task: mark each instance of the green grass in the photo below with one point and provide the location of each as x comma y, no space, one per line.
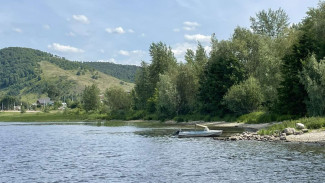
48,117
263,117
310,123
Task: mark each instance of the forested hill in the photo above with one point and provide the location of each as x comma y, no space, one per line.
30,73
123,72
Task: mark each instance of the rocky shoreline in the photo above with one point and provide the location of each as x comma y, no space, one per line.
297,136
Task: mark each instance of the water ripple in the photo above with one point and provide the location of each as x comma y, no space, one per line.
81,153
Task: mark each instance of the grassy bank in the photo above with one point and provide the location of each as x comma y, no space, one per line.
310,123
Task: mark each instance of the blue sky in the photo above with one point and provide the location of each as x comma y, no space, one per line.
121,31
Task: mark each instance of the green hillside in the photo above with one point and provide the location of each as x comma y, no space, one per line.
30,74
123,72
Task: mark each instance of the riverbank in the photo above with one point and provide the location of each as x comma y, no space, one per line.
311,136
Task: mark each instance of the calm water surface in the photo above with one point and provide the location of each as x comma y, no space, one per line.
30,152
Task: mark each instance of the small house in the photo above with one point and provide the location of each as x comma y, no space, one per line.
45,101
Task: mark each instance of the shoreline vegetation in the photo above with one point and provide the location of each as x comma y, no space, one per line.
262,131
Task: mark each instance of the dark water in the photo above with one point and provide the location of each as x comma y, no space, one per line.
85,153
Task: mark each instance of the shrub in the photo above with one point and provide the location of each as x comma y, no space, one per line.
245,97
133,115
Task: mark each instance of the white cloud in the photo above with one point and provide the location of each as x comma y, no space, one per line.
64,48
189,28
46,27
81,18
138,52
191,24
197,37
17,30
124,53
132,53
118,30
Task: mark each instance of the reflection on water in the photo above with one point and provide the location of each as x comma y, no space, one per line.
87,153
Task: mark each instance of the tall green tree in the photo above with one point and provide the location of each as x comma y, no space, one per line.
142,87
187,89
292,93
201,59
189,57
271,23
221,72
313,27
90,98
167,97
162,60
313,78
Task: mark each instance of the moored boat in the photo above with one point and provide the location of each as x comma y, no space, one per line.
202,133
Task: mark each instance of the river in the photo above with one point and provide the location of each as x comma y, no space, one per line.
80,152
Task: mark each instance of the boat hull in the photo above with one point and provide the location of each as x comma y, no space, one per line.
210,133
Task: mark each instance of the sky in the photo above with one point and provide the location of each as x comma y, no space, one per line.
121,31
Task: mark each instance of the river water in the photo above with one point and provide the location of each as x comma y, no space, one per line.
30,152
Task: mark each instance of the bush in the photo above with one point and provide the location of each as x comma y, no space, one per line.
245,97
133,115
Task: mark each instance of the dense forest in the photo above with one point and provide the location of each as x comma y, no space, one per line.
122,72
272,66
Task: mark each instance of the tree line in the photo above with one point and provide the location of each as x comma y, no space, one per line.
274,66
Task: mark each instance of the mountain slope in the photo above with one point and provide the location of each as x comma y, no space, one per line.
104,81
123,72
29,74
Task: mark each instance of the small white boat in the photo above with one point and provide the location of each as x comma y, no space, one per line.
203,133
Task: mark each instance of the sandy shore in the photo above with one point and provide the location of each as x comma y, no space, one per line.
313,136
